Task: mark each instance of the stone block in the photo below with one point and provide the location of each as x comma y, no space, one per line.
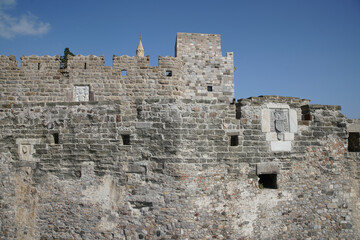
277,105
265,120
267,168
26,148
293,121
281,146
142,125
354,127
271,136
135,168
288,136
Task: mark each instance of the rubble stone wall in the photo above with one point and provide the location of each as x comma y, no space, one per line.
179,177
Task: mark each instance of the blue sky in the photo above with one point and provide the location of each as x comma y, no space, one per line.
300,48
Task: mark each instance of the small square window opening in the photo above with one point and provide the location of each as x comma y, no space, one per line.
268,181
126,139
210,88
168,73
123,72
234,140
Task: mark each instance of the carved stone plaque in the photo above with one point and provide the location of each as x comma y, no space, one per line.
280,122
25,151
81,93
26,148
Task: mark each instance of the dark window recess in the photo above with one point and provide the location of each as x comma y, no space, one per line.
268,181
56,138
307,117
84,65
91,96
238,111
354,142
209,88
168,73
38,66
234,140
126,139
123,72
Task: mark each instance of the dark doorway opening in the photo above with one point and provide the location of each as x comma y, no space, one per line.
354,142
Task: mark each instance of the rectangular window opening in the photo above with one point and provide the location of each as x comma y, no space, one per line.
268,181
84,65
234,140
91,96
123,72
38,66
307,117
238,111
126,139
168,73
354,142
210,88
56,138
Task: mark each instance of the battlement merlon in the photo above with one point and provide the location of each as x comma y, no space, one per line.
8,62
86,62
197,44
35,62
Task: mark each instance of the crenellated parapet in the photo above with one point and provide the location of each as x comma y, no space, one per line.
80,62
8,62
40,63
126,62
197,71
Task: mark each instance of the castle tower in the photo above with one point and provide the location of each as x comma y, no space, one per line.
140,49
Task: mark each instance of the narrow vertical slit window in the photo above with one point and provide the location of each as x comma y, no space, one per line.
56,138
38,66
84,65
91,96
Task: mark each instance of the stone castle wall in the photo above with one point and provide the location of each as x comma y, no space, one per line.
187,166
41,79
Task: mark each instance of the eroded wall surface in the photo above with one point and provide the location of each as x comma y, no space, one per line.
179,177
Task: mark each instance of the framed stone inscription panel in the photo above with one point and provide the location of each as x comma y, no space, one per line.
81,93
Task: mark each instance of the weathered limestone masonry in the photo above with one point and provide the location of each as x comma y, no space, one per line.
139,152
